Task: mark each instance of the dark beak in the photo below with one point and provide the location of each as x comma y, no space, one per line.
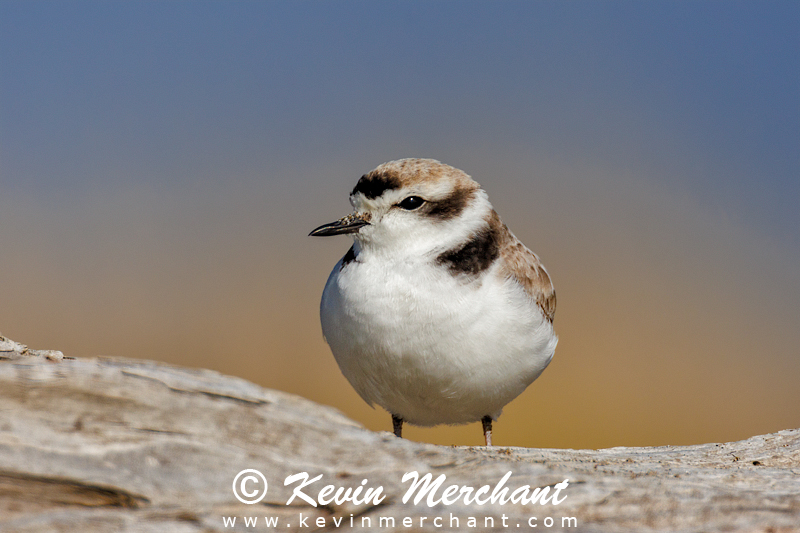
349,224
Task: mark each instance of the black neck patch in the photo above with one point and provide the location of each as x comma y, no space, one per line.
349,257
474,256
374,184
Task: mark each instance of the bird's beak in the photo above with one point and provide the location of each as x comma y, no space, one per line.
349,224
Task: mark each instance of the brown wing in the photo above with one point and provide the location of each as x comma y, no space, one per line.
524,266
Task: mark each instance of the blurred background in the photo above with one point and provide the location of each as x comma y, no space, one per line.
161,164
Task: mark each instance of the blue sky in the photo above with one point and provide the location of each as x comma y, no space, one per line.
708,91
649,150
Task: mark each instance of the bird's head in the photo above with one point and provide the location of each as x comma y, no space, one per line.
412,206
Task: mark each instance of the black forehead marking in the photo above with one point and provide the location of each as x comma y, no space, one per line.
374,184
450,207
474,256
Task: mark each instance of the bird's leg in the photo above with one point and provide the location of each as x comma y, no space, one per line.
487,429
397,424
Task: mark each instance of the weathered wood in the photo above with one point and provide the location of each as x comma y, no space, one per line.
110,444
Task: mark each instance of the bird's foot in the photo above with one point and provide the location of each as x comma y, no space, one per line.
397,425
487,429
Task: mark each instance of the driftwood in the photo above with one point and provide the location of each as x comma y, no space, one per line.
111,444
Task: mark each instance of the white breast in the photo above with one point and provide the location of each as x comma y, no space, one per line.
431,347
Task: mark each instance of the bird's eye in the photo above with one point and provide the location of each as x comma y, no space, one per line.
411,203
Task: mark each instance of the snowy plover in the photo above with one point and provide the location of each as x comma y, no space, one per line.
437,313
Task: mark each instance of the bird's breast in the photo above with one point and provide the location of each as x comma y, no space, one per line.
413,338
418,307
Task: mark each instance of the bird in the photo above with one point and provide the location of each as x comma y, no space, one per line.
437,312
